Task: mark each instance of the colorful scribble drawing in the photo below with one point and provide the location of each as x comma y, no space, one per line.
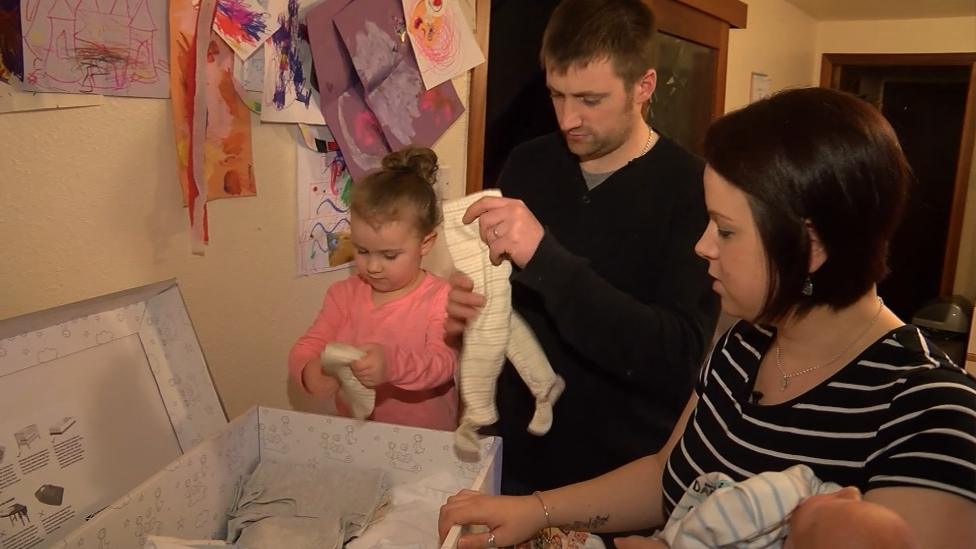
288,93
11,41
324,184
291,65
433,35
111,47
442,39
243,24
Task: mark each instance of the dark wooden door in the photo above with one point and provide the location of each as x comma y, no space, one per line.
927,116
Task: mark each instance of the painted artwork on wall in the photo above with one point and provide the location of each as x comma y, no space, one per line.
357,131
288,92
375,35
442,40
110,47
226,153
249,79
11,41
249,71
324,184
244,25
333,69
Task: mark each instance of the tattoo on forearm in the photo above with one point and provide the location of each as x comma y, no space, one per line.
589,525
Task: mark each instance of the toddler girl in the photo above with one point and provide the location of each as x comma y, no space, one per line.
390,312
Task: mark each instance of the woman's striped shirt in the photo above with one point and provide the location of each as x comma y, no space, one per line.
900,414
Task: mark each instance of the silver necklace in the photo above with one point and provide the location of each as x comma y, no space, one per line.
785,377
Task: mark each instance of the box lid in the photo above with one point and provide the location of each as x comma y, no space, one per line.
95,397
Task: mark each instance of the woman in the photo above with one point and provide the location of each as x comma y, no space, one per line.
804,191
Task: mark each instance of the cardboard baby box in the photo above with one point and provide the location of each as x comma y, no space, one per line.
111,431
95,397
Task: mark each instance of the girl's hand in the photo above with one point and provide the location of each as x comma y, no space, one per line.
371,369
463,305
639,542
318,383
511,519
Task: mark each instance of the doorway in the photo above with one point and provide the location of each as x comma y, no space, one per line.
928,99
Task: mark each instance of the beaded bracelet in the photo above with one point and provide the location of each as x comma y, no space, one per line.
545,509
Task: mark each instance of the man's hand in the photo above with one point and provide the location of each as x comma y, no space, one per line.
371,369
508,227
462,304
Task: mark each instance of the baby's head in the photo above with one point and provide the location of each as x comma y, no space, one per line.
843,519
394,214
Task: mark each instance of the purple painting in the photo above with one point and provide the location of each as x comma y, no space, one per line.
333,68
357,132
376,39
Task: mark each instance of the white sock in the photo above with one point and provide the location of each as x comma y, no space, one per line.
336,359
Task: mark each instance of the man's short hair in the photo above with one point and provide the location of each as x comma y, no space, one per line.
583,31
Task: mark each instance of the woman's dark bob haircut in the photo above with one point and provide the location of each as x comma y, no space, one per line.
821,158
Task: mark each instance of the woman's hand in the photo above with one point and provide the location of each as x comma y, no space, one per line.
510,519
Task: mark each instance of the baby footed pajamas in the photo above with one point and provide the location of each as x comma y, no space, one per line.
495,333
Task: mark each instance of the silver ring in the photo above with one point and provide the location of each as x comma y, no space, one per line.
491,540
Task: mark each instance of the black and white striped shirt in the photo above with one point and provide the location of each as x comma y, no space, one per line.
901,414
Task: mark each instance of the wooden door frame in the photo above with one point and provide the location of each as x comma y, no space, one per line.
478,102
830,69
705,22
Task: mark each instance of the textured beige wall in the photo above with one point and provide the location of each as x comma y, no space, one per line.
779,40
91,205
937,35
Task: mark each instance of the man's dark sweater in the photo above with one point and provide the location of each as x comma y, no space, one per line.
620,303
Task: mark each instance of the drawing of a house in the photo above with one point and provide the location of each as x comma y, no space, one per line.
101,50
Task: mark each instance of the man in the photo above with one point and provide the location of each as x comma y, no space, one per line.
599,223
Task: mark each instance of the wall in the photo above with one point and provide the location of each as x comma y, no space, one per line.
780,41
940,35
91,205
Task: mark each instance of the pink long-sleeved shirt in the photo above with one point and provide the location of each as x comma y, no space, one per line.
420,365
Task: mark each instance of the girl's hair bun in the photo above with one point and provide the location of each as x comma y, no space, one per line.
420,161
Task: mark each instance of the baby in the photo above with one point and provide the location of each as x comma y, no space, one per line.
791,509
843,519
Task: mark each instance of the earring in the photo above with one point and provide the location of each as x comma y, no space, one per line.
807,286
